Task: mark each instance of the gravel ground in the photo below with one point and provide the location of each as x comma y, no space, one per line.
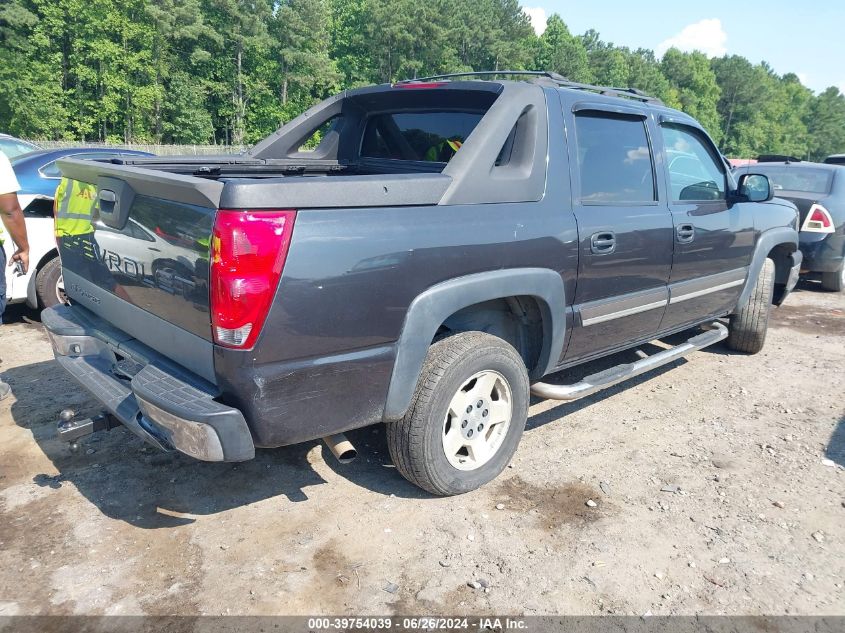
718,484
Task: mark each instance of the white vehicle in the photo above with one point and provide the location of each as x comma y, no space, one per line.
41,286
143,253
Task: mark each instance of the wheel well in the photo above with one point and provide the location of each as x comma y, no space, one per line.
50,255
517,320
782,256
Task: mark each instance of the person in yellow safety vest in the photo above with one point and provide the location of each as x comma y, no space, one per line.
444,150
74,207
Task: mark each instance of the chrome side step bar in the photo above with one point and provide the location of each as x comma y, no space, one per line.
609,377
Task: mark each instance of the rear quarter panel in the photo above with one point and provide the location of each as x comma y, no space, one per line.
324,359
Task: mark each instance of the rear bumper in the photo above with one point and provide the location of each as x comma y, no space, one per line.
823,253
159,402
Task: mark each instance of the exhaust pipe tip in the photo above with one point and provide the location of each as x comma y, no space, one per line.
341,448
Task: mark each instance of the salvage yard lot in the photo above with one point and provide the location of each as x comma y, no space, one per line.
719,485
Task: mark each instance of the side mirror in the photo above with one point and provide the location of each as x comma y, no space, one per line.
755,188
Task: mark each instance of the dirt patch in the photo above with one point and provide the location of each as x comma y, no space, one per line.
811,319
330,563
460,600
559,505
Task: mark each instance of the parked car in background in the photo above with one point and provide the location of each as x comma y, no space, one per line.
38,176
818,190
13,147
835,159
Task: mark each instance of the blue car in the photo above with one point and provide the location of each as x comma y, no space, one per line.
39,175
42,285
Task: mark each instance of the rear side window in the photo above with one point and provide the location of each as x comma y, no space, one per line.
421,136
695,174
12,147
51,170
797,178
614,159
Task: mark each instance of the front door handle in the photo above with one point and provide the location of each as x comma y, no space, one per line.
685,233
603,243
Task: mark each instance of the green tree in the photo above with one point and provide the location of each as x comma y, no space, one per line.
826,123
300,29
697,90
32,100
561,52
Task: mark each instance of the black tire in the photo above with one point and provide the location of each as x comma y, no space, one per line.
416,442
748,326
47,284
835,281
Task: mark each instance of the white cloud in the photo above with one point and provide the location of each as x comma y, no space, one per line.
538,18
706,36
804,78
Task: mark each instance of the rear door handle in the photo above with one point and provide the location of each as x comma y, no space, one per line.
603,243
685,233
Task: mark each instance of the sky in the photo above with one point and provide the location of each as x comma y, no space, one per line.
799,36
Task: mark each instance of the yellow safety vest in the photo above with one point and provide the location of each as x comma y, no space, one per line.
74,207
434,152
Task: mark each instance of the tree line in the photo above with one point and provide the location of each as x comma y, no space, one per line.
231,71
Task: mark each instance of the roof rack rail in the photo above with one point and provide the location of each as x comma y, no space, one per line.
544,76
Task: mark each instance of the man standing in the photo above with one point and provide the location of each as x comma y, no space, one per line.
13,220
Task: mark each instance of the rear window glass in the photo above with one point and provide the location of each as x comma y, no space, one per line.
614,160
423,136
796,178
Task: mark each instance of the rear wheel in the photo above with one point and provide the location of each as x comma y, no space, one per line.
49,285
748,326
834,281
467,415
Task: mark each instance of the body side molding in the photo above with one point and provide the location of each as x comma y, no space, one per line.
700,286
594,312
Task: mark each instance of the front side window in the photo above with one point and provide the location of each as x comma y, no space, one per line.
695,174
614,159
422,136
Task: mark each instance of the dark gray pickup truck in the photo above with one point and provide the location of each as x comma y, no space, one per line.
419,254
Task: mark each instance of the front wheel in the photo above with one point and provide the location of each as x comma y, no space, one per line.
834,281
748,326
467,415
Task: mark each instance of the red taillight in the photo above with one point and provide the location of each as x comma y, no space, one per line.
248,252
818,220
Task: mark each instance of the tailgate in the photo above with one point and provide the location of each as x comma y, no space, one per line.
134,244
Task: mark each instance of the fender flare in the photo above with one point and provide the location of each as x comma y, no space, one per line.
768,240
431,308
